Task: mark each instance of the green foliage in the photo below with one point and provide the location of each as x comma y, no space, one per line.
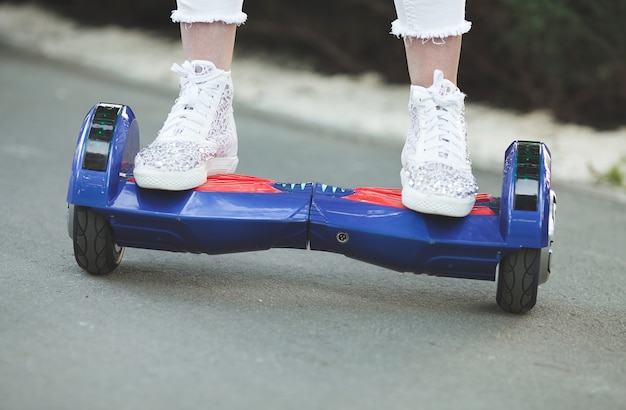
568,56
615,176
346,36
565,55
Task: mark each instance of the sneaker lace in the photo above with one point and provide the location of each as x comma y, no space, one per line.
188,117
444,129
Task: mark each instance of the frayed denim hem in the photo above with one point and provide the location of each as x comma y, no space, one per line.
237,18
398,30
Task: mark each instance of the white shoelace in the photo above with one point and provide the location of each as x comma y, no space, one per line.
443,137
188,117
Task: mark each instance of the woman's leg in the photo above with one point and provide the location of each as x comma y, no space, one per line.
436,173
432,31
199,137
424,57
207,29
213,42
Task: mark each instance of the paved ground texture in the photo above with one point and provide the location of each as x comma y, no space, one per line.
280,329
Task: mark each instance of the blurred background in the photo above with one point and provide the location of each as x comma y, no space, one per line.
567,56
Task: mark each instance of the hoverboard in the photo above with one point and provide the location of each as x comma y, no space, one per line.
507,239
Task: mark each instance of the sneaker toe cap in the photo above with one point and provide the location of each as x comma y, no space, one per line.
173,156
441,180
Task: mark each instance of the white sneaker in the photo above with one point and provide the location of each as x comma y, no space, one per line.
198,138
436,171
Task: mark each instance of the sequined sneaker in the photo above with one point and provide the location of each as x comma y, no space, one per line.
198,137
436,171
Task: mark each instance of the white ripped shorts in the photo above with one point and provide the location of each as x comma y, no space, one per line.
425,19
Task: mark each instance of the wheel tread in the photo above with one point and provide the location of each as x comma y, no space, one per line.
518,281
94,244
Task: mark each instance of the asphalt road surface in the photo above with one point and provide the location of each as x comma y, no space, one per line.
278,329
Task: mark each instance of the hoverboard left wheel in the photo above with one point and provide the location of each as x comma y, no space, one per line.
95,249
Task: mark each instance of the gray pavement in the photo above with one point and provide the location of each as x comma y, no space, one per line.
278,329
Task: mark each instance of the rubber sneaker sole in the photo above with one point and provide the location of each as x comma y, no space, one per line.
150,178
435,204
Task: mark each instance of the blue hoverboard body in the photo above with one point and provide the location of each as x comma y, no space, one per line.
507,239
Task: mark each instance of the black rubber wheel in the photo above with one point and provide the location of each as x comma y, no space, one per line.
95,249
518,280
